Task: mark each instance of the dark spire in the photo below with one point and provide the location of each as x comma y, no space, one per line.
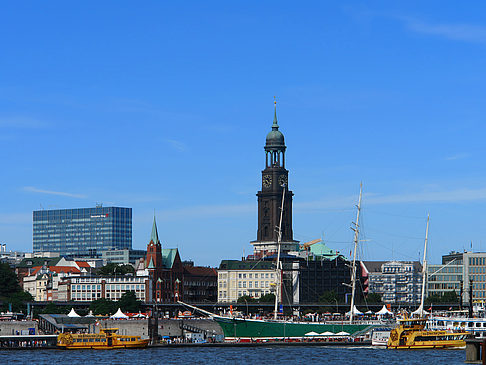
275,124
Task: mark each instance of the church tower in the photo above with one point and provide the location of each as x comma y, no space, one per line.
274,186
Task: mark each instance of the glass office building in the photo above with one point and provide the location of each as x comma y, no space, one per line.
83,232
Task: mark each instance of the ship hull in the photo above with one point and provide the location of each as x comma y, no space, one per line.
250,329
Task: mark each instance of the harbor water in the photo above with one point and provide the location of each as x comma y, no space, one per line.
234,355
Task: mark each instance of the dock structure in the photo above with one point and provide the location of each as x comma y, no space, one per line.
476,351
28,341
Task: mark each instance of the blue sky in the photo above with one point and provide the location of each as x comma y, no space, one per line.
165,107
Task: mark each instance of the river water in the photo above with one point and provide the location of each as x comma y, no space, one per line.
236,355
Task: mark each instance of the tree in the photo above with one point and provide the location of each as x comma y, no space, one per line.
115,269
267,298
103,306
373,298
449,297
128,302
18,300
11,291
245,299
9,283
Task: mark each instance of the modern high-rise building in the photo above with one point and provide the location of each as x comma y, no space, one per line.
82,232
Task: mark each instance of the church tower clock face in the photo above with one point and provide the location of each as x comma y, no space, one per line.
267,181
282,180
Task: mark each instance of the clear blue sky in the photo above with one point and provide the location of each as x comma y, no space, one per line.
157,106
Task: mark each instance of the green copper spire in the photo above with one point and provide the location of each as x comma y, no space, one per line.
154,236
275,125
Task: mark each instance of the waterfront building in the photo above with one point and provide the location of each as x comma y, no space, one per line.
41,276
398,282
89,288
324,271
459,270
82,232
443,278
238,278
275,184
164,266
200,283
473,273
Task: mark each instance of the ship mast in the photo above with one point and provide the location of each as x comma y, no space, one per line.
424,270
353,273
278,270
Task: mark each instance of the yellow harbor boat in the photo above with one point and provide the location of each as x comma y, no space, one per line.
412,334
105,340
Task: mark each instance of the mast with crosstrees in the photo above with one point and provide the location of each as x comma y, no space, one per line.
278,270
353,269
424,270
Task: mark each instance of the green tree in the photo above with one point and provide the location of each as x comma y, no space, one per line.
103,306
373,298
128,302
19,300
267,298
245,299
115,269
9,283
449,297
10,290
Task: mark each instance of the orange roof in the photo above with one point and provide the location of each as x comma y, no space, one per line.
64,269
82,264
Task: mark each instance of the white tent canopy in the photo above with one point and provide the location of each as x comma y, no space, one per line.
383,311
420,311
73,313
312,334
90,314
327,333
119,315
342,333
355,312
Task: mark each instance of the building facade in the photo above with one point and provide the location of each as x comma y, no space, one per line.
90,288
239,278
200,284
164,267
396,281
83,232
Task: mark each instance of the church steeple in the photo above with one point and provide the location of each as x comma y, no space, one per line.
274,184
154,237
275,124
154,250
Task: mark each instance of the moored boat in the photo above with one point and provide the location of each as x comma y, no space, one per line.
107,339
411,333
242,329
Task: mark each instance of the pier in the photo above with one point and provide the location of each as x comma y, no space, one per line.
19,342
476,351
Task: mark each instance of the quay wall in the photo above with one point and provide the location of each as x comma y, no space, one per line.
8,328
167,327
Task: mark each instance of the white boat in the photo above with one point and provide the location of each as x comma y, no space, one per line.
380,337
